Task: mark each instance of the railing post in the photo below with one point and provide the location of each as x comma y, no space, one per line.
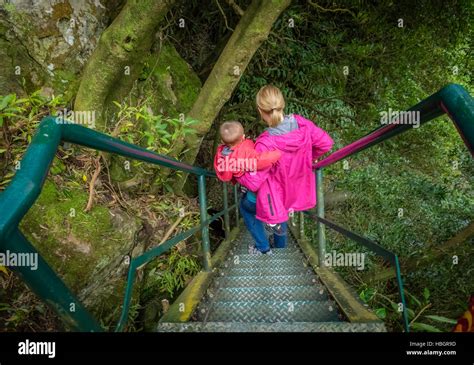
320,213
226,211
302,235
206,250
128,296
402,295
236,198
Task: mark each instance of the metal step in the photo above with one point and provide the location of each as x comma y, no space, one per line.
289,243
243,249
266,271
271,327
266,281
295,293
264,258
267,293
271,311
277,262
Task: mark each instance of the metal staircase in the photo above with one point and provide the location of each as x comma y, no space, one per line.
291,290
267,293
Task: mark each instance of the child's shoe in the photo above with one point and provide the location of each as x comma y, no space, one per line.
255,251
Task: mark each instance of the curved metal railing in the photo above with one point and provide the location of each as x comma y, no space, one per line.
452,100
27,183
26,186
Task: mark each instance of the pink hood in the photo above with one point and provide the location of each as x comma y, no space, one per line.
290,184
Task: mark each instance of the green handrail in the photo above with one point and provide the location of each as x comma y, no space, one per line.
27,183
377,249
26,186
452,100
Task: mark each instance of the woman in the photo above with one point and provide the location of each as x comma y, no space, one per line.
290,184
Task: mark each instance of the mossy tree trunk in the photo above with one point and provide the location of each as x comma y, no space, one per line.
251,31
116,62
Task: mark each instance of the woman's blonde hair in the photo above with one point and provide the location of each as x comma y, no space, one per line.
270,99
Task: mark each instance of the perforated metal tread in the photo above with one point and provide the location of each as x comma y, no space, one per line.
276,262
292,293
280,254
266,271
267,293
244,249
271,327
270,311
266,281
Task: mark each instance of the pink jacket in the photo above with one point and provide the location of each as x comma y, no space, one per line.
290,184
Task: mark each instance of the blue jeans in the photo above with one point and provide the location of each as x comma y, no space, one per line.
248,210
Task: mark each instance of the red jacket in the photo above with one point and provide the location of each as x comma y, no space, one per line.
242,158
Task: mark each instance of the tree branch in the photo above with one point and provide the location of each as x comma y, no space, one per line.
251,31
421,311
92,183
223,14
173,227
336,10
236,7
117,60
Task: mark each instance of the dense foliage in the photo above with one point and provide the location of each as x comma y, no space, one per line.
341,66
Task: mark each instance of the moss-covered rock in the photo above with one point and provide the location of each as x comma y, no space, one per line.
47,44
86,249
169,82
16,66
170,87
118,171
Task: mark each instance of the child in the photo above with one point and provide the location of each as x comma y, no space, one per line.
237,155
